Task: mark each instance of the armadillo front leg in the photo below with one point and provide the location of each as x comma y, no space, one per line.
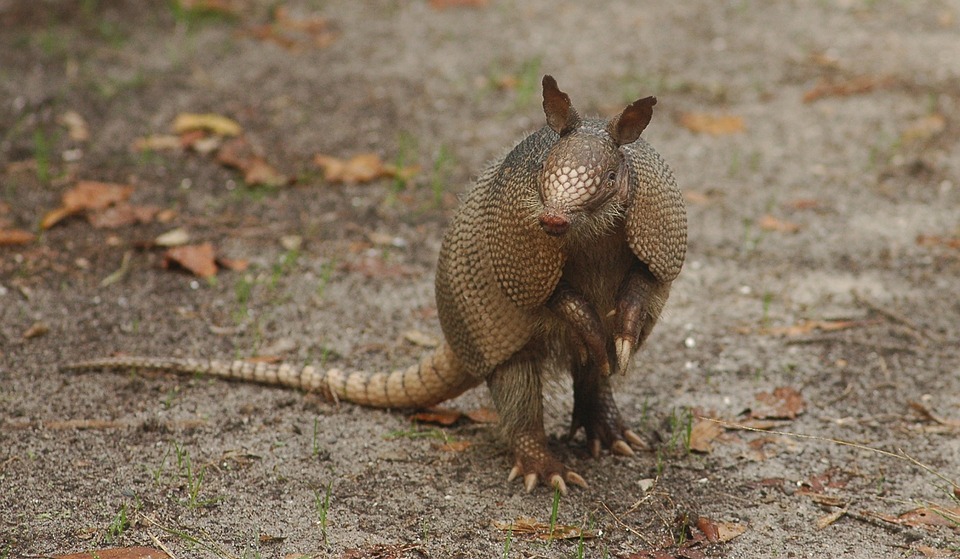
639,302
517,394
580,315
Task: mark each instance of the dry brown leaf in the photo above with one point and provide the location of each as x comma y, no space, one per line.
118,553
804,204
363,167
924,128
483,415
444,4
76,127
935,552
437,416
10,237
260,173
805,327
783,403
829,519
695,197
933,515
702,435
158,142
207,122
198,259
525,525
86,195
726,531
233,264
120,215
454,446
172,238
853,86
36,330
770,223
715,125
709,529
935,240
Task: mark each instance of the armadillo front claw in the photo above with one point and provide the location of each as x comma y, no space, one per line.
633,439
624,348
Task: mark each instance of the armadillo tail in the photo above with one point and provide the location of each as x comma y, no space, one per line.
437,377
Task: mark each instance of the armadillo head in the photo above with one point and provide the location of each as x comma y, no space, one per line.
584,171
580,175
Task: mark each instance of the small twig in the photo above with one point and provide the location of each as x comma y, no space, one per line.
120,272
900,454
624,525
896,317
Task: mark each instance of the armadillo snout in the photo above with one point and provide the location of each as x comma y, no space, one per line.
554,223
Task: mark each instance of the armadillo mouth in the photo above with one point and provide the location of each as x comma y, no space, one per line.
554,223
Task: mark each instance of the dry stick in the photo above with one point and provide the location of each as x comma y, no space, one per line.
900,454
624,525
895,317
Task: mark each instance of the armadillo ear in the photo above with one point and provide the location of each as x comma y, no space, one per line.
627,126
561,116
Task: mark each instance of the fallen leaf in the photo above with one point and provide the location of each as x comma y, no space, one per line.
421,339
158,142
924,128
36,330
208,122
804,204
809,326
75,125
86,195
829,519
783,403
726,531
935,552
715,125
198,259
260,173
933,515
770,223
525,525
437,416
94,195
483,415
702,435
709,529
934,240
364,167
120,215
853,86
454,446
695,197
10,237
293,34
444,4
118,553
233,264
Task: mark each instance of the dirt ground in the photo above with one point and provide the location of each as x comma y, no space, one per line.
817,146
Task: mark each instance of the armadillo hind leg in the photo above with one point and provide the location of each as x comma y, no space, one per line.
639,302
578,313
595,410
516,391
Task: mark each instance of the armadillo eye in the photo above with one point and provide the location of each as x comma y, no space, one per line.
612,176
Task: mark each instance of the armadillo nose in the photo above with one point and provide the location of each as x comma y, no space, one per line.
554,223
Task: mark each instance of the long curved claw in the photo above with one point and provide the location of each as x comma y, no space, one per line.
557,482
576,479
624,348
595,447
621,448
529,482
514,473
634,439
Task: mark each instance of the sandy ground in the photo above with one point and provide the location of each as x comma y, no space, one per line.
826,196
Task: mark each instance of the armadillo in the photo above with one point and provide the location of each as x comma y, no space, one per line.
559,259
